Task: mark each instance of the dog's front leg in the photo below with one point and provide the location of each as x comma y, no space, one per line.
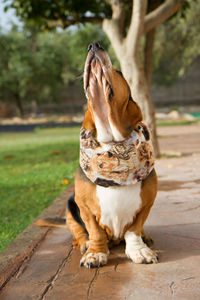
97,253
136,249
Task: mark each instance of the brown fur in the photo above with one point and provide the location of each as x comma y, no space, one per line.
148,194
52,222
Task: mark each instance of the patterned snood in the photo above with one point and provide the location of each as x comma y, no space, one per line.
117,163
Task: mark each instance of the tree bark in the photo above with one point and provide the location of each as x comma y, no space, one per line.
148,68
161,14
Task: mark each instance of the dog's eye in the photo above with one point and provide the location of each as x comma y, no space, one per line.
119,72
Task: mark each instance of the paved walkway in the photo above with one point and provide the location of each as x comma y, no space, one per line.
50,270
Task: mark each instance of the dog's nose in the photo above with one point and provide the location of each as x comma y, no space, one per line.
94,47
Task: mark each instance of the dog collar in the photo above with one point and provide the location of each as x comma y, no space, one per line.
117,163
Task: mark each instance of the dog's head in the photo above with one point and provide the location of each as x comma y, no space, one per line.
110,104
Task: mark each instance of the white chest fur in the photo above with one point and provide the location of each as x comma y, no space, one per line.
118,206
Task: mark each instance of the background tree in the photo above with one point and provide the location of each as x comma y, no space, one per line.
15,71
38,66
32,67
125,23
172,59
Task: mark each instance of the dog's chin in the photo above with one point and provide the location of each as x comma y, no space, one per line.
98,85
98,89
98,65
98,102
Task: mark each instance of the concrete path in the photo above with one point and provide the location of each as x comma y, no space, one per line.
51,269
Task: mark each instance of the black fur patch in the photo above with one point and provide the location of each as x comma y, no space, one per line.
130,98
145,132
74,209
111,93
119,72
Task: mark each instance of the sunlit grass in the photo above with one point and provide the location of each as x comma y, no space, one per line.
32,169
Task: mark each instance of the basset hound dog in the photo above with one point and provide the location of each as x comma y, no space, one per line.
115,184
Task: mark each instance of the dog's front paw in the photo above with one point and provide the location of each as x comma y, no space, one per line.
142,256
93,260
138,251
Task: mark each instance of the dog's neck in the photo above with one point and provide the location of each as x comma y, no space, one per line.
114,124
117,163
106,131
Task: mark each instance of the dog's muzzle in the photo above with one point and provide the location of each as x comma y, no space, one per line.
93,47
96,53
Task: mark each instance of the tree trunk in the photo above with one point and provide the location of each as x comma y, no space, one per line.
18,103
127,51
148,69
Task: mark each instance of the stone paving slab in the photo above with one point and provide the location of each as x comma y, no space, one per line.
52,269
183,140
20,251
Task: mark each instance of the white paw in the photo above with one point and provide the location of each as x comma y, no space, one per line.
142,256
92,260
138,251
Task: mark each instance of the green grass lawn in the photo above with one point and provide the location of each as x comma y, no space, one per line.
32,169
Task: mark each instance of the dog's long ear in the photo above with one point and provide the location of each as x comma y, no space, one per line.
88,122
126,117
134,113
